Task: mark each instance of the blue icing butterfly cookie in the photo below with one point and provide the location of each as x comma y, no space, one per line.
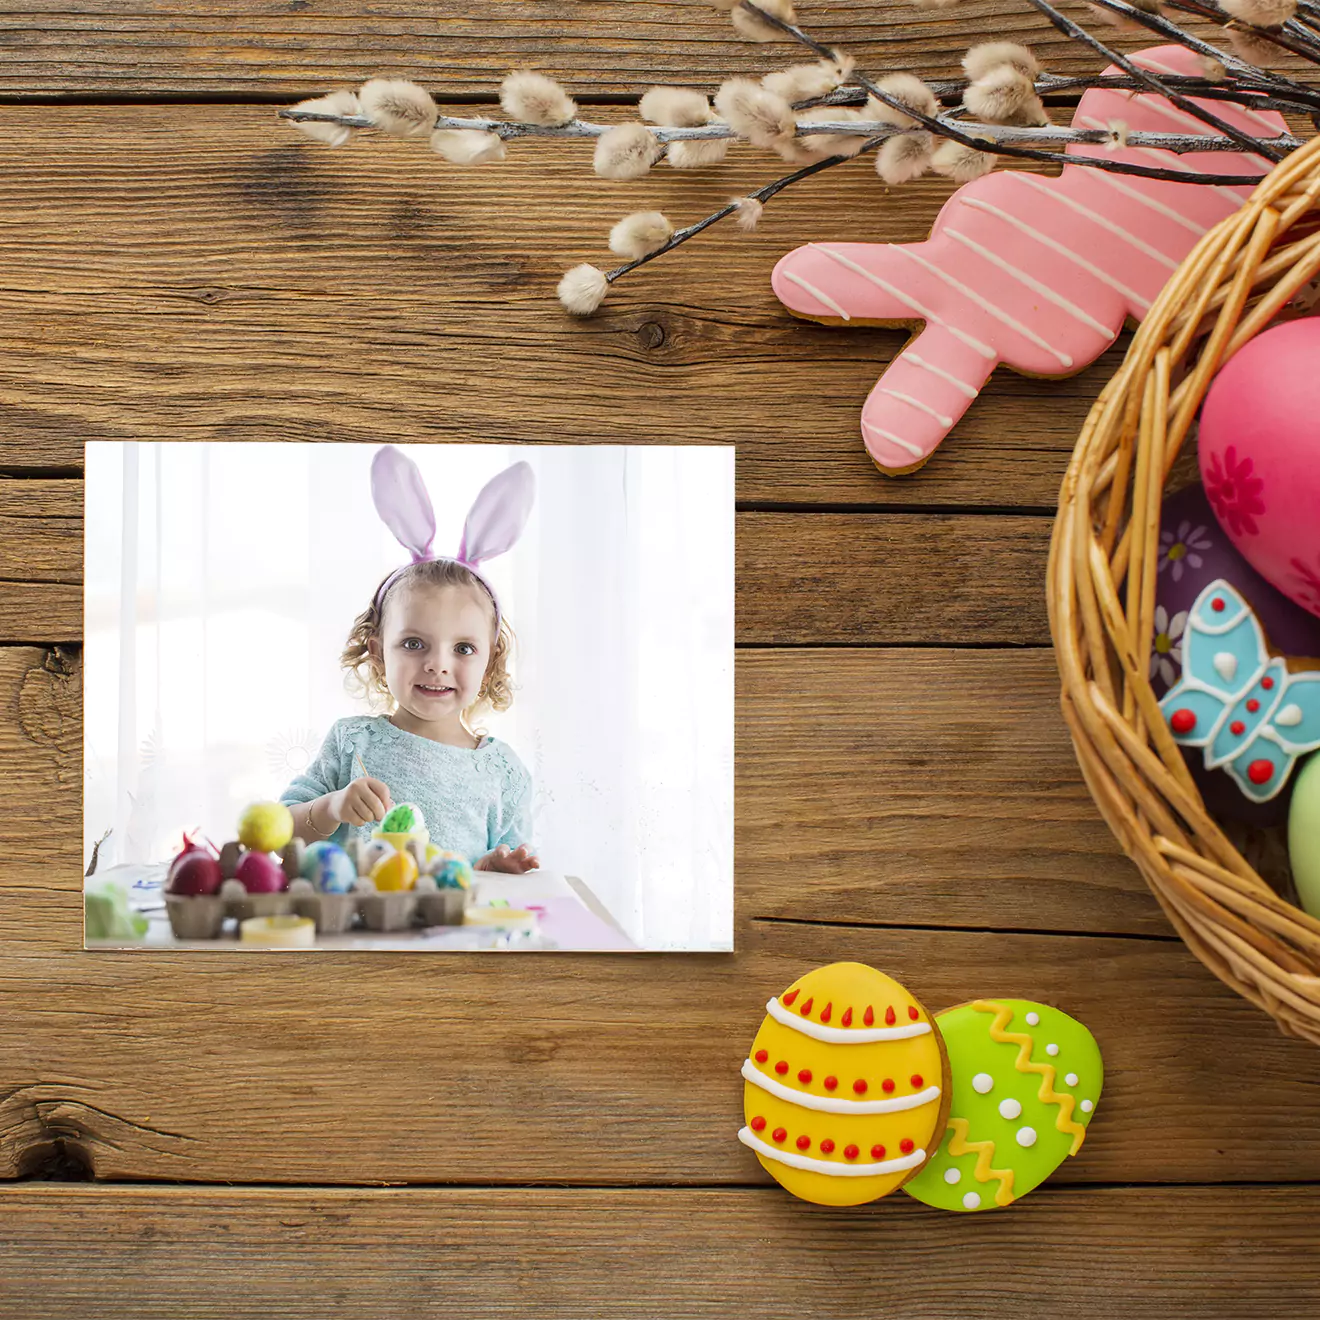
1236,701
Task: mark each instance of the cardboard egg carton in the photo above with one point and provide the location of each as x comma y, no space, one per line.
203,916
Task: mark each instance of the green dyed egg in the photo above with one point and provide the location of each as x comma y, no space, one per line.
1024,1080
1304,835
403,819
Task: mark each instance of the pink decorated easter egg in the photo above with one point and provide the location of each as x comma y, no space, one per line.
1259,450
260,873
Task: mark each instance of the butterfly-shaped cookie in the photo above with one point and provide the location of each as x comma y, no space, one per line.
1237,701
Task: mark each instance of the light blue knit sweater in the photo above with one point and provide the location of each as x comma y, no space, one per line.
473,800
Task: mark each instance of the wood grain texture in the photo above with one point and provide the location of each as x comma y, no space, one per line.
581,1069
297,48
156,1253
179,272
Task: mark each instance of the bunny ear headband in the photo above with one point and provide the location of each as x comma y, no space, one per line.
494,522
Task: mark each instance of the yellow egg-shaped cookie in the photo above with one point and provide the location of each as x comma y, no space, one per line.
846,1090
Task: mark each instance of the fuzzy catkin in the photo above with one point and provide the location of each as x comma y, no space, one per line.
754,27
625,151
980,59
641,233
583,289
1005,95
697,154
764,119
806,82
337,103
904,156
467,146
536,99
961,164
397,107
908,89
675,107
1261,13
748,215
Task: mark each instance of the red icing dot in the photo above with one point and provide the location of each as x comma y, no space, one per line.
846,1019
803,1143
1182,721
1260,772
781,1067
1237,727
1217,604
804,1076
889,1016
1253,706
850,1152
827,1146
779,1134
1267,682
905,1145
831,1083
758,1123
761,1056
869,1016
789,997
877,1152
912,1012
887,1085
860,1086
826,1011
916,1081
806,1008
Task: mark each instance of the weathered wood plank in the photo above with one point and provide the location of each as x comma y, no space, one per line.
232,1253
153,47
204,272
508,1069
904,787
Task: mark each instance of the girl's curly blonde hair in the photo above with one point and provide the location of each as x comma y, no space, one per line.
367,674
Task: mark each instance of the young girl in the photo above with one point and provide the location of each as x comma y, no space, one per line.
434,645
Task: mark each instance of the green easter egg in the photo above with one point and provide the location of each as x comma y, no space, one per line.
1024,1082
402,819
1304,835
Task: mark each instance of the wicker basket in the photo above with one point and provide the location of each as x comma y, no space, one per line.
1103,562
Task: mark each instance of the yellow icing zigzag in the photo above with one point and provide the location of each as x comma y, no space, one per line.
985,1151
1047,1094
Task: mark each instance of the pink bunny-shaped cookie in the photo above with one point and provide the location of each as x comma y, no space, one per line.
1038,273
494,522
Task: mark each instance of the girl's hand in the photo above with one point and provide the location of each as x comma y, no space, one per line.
362,802
510,861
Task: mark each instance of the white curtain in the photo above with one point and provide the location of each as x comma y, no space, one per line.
221,580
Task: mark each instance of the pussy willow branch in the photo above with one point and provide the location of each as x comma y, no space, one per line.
945,128
1293,36
1002,133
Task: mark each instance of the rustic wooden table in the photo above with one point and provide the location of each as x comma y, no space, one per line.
387,1135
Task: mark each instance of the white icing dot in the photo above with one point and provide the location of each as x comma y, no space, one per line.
952,1176
971,1201
1071,1079
1087,1106
982,1082
1010,1108
1033,1019
1026,1136
1051,1049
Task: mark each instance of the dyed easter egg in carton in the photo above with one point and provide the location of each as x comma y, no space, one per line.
1024,1080
1259,456
403,824
328,867
845,1091
395,872
265,827
450,870
194,871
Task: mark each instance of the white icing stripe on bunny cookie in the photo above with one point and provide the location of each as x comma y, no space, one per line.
924,312
1117,230
1089,267
962,385
906,445
828,1104
1113,181
917,403
832,1168
823,298
1021,275
844,1035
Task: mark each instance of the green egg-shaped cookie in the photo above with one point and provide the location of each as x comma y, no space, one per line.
1024,1080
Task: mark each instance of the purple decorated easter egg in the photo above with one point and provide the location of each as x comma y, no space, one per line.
260,873
1259,448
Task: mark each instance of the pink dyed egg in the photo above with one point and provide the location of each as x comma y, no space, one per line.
1260,456
260,873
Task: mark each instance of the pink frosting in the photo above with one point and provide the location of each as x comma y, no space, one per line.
1034,271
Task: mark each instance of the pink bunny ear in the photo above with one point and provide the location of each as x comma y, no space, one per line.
498,515
401,500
